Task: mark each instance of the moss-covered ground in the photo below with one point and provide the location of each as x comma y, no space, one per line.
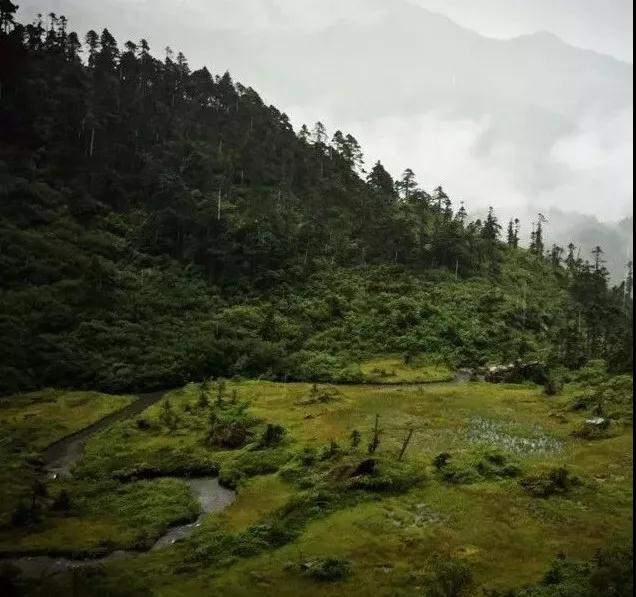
303,494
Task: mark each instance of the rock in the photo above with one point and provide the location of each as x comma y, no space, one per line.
598,423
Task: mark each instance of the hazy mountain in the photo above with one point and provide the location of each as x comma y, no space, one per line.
529,121
525,122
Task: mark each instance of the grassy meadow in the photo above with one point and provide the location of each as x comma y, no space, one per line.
458,490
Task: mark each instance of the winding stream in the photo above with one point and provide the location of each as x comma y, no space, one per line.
59,459
61,456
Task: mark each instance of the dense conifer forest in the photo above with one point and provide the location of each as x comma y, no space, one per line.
162,227
161,224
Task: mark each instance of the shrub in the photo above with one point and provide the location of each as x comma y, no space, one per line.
553,386
327,570
457,475
441,460
610,573
450,577
62,502
553,482
492,464
383,477
22,515
143,424
332,451
593,431
356,438
495,464
272,436
308,457
230,429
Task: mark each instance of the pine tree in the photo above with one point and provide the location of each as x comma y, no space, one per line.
598,259
492,229
440,196
381,181
537,246
319,135
407,184
7,12
304,135
556,256
513,233
462,214
92,41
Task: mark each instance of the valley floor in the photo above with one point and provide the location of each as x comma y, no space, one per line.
302,496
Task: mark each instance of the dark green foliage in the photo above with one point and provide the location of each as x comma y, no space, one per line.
441,460
593,430
204,400
161,225
22,515
331,451
495,465
230,429
602,394
220,392
272,436
386,477
610,573
168,418
466,471
553,385
450,577
62,502
327,570
356,439
557,481
320,395
143,425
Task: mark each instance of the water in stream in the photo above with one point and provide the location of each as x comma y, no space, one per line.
61,456
211,496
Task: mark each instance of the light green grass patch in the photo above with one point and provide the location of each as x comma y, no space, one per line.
31,422
394,370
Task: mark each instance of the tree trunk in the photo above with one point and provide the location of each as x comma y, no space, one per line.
407,441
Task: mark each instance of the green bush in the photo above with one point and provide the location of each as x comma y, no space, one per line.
327,570
469,470
272,436
557,481
449,577
62,502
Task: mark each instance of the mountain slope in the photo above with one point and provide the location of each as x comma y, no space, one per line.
160,224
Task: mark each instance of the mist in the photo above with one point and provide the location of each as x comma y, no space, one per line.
496,114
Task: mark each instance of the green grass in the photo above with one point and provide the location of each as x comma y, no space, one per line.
507,537
394,370
31,422
106,517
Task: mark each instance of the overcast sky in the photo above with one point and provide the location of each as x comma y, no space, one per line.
602,25
566,145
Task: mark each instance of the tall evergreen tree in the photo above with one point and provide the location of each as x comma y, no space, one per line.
407,184
513,233
381,181
491,229
7,13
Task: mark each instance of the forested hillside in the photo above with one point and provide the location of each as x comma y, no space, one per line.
160,225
